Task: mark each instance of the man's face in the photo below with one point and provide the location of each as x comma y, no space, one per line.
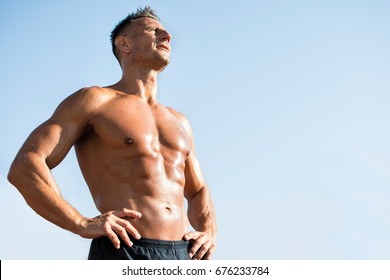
149,42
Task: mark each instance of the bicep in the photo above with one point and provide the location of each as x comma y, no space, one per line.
53,139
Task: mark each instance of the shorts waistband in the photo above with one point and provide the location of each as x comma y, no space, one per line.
160,243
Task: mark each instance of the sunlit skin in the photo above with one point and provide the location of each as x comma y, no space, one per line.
136,155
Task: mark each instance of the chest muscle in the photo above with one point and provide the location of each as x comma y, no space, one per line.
128,123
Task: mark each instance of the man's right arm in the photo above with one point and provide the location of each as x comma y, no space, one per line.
44,149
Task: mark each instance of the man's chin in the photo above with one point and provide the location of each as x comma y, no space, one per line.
163,63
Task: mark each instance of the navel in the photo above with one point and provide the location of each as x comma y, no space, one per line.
129,141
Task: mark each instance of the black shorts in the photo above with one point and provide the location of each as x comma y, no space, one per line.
144,249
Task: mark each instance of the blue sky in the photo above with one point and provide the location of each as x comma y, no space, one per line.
289,102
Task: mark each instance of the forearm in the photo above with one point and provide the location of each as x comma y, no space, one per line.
32,177
201,213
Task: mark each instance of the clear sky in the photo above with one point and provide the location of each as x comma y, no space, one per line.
289,102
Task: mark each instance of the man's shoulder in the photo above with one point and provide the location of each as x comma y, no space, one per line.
181,118
94,93
90,97
85,101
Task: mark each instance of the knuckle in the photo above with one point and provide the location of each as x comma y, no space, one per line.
109,217
111,235
106,226
209,242
198,243
202,251
127,223
193,250
211,249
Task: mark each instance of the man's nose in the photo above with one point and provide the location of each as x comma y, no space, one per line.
165,36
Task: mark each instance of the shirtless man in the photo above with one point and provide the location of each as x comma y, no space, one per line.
136,155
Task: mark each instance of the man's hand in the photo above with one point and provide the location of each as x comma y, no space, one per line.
112,224
203,245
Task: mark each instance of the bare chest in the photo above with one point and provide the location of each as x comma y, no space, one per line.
131,123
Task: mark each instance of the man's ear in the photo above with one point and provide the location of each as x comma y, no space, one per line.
123,44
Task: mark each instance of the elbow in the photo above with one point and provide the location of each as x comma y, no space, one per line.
11,176
21,166
14,173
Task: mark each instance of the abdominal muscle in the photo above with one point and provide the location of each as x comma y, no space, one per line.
162,208
140,185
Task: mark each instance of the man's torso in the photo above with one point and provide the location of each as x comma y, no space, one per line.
132,155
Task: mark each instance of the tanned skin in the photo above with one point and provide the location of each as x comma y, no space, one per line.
136,155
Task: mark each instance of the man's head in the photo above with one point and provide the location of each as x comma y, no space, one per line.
139,31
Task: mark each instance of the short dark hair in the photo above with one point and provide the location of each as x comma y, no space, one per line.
147,11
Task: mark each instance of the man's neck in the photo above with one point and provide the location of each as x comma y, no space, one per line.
142,83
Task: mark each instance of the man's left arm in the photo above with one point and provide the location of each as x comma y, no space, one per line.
201,213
